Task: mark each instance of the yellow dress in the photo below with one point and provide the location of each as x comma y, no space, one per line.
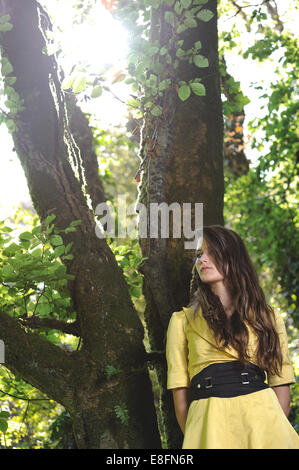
252,421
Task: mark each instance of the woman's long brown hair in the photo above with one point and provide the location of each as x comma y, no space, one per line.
229,254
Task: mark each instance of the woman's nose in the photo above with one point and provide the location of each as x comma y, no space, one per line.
203,258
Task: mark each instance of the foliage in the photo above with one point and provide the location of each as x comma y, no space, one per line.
33,276
122,413
13,103
28,414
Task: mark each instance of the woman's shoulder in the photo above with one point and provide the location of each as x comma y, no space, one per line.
183,316
178,317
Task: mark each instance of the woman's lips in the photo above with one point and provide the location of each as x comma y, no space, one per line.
203,269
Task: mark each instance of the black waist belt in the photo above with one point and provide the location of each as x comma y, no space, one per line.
228,379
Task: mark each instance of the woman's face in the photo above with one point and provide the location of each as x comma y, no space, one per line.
205,266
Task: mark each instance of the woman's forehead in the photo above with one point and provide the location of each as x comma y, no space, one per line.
202,246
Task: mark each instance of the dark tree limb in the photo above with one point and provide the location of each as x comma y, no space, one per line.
35,321
36,360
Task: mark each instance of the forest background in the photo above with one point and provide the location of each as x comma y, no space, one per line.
258,58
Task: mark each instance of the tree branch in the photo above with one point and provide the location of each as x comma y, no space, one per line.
52,323
36,360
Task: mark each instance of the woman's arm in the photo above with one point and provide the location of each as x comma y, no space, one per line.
181,399
284,397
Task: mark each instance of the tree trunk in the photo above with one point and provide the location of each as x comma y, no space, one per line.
61,173
187,167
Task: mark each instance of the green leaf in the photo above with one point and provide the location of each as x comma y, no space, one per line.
6,27
56,240
44,308
184,92
197,45
110,371
79,84
10,80
96,92
205,15
198,89
156,111
59,251
68,82
164,84
190,23
178,8
7,270
11,249
4,19
186,3
180,52
201,61
49,219
74,223
169,17
3,425
25,236
7,68
6,229
68,247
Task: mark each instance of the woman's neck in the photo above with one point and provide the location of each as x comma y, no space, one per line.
221,291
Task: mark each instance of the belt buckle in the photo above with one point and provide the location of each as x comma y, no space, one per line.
244,382
208,381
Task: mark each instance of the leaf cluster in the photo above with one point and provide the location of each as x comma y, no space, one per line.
33,273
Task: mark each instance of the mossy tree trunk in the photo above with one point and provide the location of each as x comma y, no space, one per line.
187,167
61,171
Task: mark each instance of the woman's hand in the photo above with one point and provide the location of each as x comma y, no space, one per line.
181,399
284,397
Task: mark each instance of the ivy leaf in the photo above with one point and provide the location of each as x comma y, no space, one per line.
5,27
180,52
197,45
186,3
169,17
4,19
190,23
201,61
198,89
156,111
184,92
205,15
6,67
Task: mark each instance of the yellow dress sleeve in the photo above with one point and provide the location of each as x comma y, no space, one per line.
287,374
177,352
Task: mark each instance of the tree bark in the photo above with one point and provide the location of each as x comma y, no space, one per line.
187,167
60,175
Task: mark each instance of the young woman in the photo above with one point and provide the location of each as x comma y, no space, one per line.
227,352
